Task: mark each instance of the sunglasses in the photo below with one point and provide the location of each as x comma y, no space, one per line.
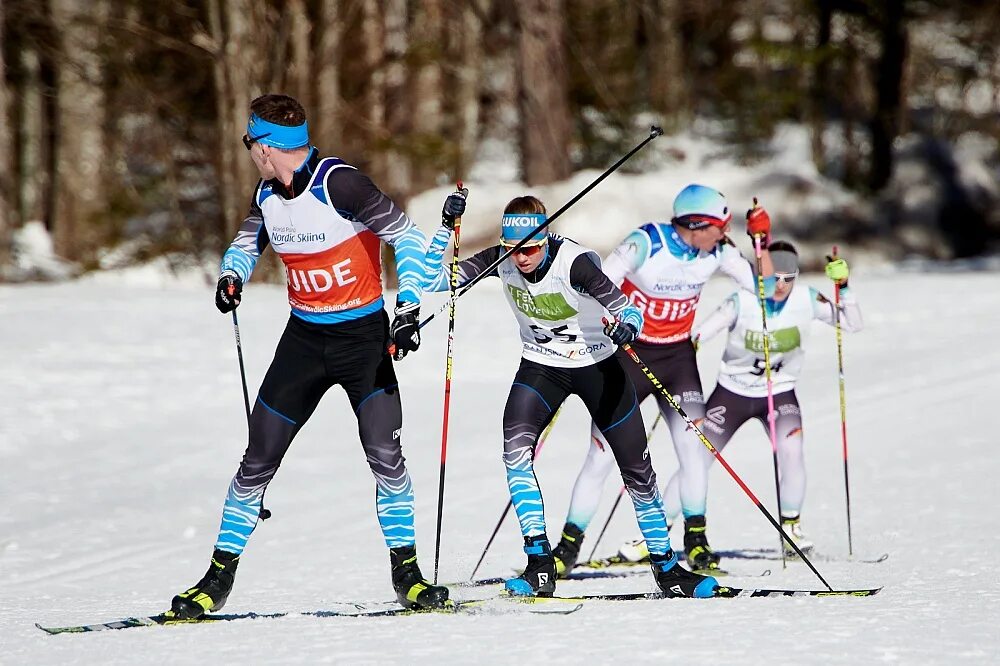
785,277
529,250
248,140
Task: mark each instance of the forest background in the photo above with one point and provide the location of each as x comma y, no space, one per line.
120,120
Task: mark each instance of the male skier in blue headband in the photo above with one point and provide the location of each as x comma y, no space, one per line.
326,220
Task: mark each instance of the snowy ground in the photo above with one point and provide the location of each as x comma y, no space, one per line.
121,423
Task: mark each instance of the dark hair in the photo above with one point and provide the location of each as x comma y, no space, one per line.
279,109
782,246
525,204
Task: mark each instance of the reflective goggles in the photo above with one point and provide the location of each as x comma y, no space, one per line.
786,277
529,250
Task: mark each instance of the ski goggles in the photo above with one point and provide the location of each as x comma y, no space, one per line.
529,250
702,222
786,277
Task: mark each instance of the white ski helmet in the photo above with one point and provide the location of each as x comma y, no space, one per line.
698,206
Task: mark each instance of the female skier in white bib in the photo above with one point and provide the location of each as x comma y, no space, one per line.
741,391
560,298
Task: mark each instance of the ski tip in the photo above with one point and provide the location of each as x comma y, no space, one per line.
723,592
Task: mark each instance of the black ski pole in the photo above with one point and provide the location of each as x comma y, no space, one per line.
264,513
722,461
654,132
614,507
243,372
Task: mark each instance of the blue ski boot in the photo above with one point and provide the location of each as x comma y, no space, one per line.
539,578
676,581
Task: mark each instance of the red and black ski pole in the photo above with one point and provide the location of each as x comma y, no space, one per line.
453,286
722,461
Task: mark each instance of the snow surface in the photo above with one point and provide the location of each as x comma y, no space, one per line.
121,424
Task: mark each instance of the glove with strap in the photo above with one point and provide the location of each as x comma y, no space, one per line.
837,270
228,292
405,330
621,333
454,206
759,224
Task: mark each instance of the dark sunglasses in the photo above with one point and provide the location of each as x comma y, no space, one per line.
248,140
785,277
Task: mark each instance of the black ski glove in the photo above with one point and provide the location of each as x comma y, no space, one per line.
454,206
405,330
227,293
621,333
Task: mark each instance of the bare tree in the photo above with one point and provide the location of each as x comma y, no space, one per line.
468,54
6,221
79,224
668,90
885,123
426,93
543,92
300,74
238,52
397,177
325,125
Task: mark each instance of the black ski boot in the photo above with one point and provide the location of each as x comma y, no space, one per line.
676,581
567,551
412,590
211,592
696,549
539,578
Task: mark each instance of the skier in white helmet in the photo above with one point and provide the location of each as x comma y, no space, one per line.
662,267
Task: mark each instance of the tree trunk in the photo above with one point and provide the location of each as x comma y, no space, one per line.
373,100
668,90
300,76
325,123
244,51
543,92
398,106
820,97
6,195
426,94
885,123
80,223
236,72
468,52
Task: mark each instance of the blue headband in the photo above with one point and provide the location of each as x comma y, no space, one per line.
280,136
518,226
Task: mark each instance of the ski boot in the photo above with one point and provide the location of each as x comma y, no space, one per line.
696,549
412,590
539,578
676,581
568,550
209,593
793,528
